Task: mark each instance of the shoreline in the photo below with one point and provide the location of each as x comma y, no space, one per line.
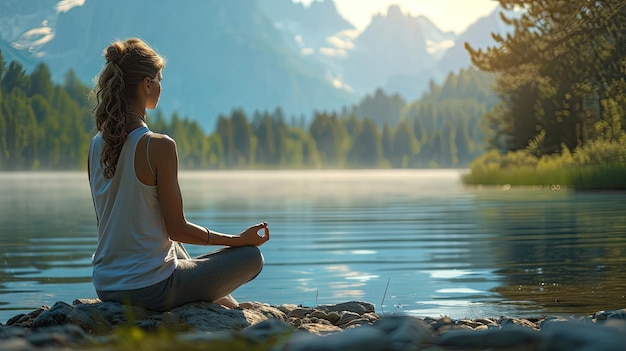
352,325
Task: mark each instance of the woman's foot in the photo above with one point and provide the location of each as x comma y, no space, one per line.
227,301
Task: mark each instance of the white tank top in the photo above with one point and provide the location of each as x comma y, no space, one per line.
134,250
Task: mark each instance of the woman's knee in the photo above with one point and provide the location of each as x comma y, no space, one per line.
255,255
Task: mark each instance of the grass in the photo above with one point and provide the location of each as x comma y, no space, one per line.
598,165
604,177
607,177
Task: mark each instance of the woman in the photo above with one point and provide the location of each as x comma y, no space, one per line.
133,175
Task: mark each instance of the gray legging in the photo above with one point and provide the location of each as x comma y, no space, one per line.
204,278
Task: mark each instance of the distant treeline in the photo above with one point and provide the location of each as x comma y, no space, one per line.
48,126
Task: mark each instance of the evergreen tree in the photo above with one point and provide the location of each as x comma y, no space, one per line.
560,58
381,108
14,77
243,139
366,150
41,82
328,135
75,88
387,142
20,120
225,131
3,64
404,146
263,130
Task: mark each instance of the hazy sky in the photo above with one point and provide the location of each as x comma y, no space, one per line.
448,15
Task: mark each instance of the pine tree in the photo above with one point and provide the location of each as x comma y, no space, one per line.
561,56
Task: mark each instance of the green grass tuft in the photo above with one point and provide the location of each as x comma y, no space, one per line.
599,165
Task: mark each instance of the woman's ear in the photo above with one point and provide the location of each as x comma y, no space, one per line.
146,85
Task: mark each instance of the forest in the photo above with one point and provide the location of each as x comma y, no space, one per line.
546,99
48,126
560,79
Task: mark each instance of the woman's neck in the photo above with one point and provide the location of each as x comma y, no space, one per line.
142,117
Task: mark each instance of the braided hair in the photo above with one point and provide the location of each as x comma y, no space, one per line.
128,62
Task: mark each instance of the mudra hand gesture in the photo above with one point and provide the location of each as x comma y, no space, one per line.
251,235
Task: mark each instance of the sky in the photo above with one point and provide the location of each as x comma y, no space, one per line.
448,15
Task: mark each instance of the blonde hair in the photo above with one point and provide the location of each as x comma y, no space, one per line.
128,62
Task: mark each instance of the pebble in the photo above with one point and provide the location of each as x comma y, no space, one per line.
352,325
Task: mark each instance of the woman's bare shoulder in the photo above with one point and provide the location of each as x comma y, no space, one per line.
162,142
162,138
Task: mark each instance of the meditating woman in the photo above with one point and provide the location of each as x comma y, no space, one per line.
133,175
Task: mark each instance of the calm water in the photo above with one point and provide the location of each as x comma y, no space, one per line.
414,242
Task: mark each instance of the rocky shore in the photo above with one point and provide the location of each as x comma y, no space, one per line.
89,324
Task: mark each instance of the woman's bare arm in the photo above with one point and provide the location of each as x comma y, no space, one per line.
164,157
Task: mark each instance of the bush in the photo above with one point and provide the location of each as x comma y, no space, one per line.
599,164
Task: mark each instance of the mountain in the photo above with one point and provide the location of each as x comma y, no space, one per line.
395,51
457,57
306,26
221,55
254,54
22,24
9,53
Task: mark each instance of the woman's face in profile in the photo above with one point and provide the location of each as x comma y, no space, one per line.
155,92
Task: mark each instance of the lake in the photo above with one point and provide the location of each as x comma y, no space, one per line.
408,241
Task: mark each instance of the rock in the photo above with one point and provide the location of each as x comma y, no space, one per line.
106,315
26,320
580,336
267,330
370,316
364,338
210,317
204,337
85,301
470,323
505,321
487,321
319,329
355,323
286,308
15,319
265,309
300,312
57,336
13,332
405,333
17,344
151,325
440,323
607,315
62,313
319,314
552,319
333,317
347,317
93,316
352,306
513,336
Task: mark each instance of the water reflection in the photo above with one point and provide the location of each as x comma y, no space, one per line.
562,253
408,241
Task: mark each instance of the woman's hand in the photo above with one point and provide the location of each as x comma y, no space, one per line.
251,235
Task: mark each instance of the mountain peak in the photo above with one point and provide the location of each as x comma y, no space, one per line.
394,12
